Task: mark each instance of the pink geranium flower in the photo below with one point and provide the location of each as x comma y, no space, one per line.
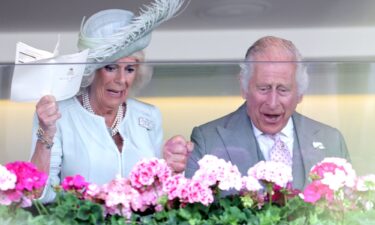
174,187
215,171
28,176
273,172
118,196
332,180
317,191
149,197
148,177
334,172
74,183
198,192
27,180
251,184
148,171
7,179
4,199
188,190
92,192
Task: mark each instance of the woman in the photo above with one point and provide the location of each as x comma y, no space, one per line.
101,132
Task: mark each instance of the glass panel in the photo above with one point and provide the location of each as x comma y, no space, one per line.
340,94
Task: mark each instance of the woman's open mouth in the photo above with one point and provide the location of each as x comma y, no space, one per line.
115,93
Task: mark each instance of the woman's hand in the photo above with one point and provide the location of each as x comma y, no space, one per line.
48,113
176,152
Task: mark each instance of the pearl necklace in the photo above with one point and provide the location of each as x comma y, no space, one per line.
113,130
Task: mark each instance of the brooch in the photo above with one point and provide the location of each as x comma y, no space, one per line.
146,123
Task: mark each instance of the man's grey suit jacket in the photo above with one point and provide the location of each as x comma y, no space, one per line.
231,138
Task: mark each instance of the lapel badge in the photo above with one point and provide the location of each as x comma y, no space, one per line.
146,123
318,145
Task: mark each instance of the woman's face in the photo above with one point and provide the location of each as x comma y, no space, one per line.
112,83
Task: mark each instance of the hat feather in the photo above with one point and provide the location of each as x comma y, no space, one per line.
150,17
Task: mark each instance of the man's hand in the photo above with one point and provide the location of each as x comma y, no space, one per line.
176,152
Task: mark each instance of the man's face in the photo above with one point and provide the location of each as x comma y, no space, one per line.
272,95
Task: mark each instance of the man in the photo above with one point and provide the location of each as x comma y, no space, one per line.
272,87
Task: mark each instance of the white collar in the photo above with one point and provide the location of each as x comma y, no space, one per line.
287,131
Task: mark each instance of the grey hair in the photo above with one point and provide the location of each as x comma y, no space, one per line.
142,78
262,46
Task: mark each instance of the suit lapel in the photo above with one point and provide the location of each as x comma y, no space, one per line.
239,140
306,134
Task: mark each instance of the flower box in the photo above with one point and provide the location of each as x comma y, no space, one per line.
153,195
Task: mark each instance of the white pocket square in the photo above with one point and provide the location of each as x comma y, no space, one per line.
318,145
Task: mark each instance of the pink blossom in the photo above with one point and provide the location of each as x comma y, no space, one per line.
28,177
311,193
270,171
207,160
336,172
20,187
92,190
76,183
321,168
25,202
210,170
147,178
159,208
148,171
119,197
366,183
7,179
174,186
14,196
335,180
198,192
251,184
120,192
315,191
231,178
10,196
4,199
149,197
214,171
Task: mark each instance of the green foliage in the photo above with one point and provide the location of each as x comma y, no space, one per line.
360,218
19,216
71,210
231,210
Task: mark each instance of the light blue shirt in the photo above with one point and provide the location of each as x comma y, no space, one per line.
83,145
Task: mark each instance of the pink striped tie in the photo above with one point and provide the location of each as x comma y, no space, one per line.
280,152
